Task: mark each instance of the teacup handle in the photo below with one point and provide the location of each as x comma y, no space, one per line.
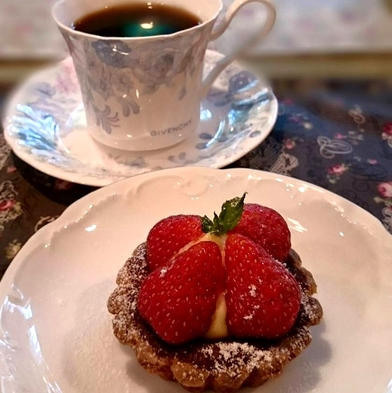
253,40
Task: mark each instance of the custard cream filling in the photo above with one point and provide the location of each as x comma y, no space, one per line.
218,327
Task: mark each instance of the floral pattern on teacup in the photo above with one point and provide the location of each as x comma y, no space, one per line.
242,82
156,71
114,53
114,74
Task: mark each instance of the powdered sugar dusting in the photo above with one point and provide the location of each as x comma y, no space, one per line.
310,309
235,357
163,272
123,301
252,290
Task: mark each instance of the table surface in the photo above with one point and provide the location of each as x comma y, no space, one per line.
302,26
336,134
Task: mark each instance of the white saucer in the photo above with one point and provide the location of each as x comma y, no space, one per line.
45,126
55,330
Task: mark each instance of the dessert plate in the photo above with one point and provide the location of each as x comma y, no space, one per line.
45,126
56,333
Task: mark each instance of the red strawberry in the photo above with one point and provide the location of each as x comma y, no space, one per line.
168,236
262,298
267,228
178,300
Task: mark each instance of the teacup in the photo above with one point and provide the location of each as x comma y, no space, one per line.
144,93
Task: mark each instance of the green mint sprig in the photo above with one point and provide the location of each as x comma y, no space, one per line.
228,218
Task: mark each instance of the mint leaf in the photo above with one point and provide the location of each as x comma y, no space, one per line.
231,213
207,225
228,218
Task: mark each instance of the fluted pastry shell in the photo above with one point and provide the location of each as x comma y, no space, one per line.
223,366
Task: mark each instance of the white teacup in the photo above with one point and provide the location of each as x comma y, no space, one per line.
144,93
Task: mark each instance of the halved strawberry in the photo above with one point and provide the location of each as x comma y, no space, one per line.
178,300
267,228
262,298
169,235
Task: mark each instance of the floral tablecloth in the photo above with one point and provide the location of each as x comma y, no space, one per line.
335,134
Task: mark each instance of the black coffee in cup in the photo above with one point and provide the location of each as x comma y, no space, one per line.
136,20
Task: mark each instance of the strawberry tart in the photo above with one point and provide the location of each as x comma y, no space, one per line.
218,303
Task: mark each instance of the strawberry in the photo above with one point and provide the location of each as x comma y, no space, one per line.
267,228
262,298
179,299
168,236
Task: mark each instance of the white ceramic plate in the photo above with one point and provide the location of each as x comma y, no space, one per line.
56,333
45,126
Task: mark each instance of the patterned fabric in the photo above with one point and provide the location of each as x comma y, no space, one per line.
333,134
337,136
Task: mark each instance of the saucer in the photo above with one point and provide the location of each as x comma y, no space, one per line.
45,126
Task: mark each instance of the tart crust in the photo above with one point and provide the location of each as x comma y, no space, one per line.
223,366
